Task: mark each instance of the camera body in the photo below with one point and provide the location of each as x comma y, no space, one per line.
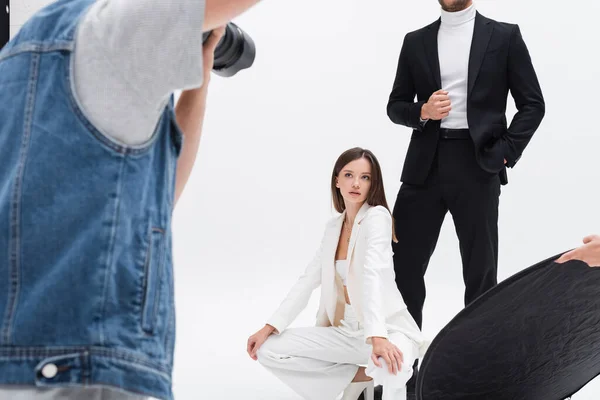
234,52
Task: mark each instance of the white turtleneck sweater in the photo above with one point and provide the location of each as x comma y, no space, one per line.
454,46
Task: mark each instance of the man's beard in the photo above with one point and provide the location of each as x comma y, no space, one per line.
457,5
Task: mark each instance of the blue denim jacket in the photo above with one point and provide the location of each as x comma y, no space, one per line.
86,283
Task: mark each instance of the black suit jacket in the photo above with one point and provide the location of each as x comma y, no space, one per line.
499,61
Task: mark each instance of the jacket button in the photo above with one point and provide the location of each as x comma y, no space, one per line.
49,371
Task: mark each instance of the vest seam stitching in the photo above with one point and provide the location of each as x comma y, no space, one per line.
95,351
15,210
111,245
36,47
103,137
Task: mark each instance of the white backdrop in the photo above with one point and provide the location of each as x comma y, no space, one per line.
257,201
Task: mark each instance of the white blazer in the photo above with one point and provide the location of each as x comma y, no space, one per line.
370,282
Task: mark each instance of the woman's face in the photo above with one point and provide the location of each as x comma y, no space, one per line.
354,181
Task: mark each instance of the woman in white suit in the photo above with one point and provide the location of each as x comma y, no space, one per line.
362,319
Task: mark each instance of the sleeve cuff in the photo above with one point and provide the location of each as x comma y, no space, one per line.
277,323
416,115
506,151
380,331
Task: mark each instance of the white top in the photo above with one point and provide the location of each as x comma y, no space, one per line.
341,266
454,47
130,56
376,300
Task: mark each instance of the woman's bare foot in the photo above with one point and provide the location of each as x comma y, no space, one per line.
361,376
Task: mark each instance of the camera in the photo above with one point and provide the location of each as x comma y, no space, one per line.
234,52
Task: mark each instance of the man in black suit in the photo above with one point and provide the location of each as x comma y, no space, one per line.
461,68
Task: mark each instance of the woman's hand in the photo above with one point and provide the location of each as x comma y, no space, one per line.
389,352
257,340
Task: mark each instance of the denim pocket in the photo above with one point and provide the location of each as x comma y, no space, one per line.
153,277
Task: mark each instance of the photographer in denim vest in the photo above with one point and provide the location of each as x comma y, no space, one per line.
93,157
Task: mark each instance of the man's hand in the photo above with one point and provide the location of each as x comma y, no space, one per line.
589,253
389,352
437,107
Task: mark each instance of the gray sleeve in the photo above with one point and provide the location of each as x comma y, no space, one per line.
130,56
13,392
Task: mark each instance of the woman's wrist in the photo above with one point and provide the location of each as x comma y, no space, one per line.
376,339
269,328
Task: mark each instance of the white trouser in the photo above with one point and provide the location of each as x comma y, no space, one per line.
319,362
68,393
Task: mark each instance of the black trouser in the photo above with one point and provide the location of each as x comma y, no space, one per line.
457,184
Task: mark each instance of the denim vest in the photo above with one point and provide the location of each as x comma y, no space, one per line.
86,282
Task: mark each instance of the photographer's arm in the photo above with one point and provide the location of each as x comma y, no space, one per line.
130,56
220,12
189,113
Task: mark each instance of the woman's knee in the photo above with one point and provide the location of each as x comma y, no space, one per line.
384,376
271,349
263,350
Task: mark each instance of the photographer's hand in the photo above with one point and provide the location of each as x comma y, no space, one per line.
208,56
190,111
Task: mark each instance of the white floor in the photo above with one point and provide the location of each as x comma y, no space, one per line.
222,300
211,361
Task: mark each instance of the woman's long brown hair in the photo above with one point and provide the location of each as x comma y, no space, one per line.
376,195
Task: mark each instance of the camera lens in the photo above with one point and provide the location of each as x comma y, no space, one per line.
234,52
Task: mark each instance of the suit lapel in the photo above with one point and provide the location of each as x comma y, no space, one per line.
355,230
431,49
332,281
481,37
329,275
